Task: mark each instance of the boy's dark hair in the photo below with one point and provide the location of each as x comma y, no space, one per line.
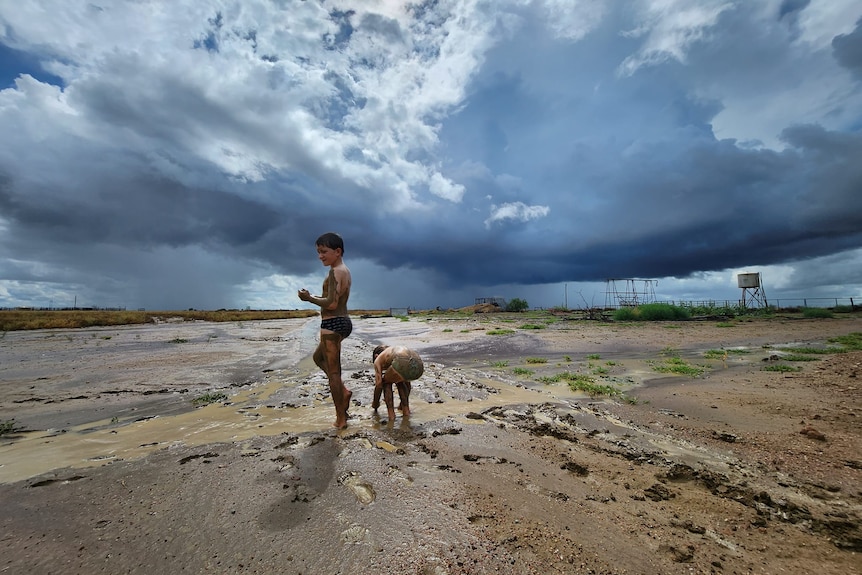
331,240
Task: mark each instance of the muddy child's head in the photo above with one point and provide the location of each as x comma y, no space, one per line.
377,351
332,241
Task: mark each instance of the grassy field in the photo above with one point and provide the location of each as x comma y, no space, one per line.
13,320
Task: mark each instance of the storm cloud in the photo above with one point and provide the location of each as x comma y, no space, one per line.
187,154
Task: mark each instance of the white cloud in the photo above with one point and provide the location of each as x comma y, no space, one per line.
669,27
573,19
517,211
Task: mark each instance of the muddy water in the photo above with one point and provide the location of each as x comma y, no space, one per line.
290,396
265,371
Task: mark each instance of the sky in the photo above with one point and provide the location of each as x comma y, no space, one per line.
187,154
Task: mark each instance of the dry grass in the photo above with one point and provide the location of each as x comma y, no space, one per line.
12,320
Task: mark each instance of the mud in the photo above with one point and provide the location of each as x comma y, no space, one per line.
738,470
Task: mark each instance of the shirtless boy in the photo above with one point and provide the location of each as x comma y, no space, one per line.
398,365
335,323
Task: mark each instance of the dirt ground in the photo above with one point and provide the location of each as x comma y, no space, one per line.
112,468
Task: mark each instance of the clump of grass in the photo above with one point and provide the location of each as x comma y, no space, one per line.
594,356
7,426
179,340
536,360
500,331
814,350
799,357
600,370
532,326
678,366
782,368
611,363
522,371
209,397
724,324
567,358
652,312
581,382
817,312
851,341
500,364
723,353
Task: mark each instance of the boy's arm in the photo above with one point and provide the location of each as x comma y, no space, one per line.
330,299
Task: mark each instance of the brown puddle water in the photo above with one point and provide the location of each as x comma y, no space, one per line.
241,418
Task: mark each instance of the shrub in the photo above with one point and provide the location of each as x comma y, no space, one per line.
7,426
517,304
652,312
209,397
816,312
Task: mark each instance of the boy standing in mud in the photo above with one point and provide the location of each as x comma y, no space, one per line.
399,365
335,324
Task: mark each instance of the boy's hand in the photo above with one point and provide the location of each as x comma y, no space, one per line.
303,294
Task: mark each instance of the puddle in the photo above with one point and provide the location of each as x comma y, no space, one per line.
286,392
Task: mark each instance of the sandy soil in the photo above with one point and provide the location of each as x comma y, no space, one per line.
113,469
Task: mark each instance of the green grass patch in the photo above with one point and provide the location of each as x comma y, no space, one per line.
722,353
725,324
500,331
522,371
594,356
209,397
782,368
678,366
179,340
532,326
567,358
814,350
584,383
652,312
447,330
500,364
817,313
7,426
851,341
536,360
799,357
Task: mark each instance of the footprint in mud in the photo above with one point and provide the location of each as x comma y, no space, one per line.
354,535
363,491
396,473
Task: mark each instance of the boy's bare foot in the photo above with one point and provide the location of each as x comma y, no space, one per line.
340,423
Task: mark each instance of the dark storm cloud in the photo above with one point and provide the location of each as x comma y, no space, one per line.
456,147
848,49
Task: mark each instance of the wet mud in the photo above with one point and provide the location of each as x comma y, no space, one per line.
737,470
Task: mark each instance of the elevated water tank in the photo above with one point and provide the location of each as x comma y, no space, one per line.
748,280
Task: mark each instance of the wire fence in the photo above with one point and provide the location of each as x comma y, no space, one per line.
779,303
